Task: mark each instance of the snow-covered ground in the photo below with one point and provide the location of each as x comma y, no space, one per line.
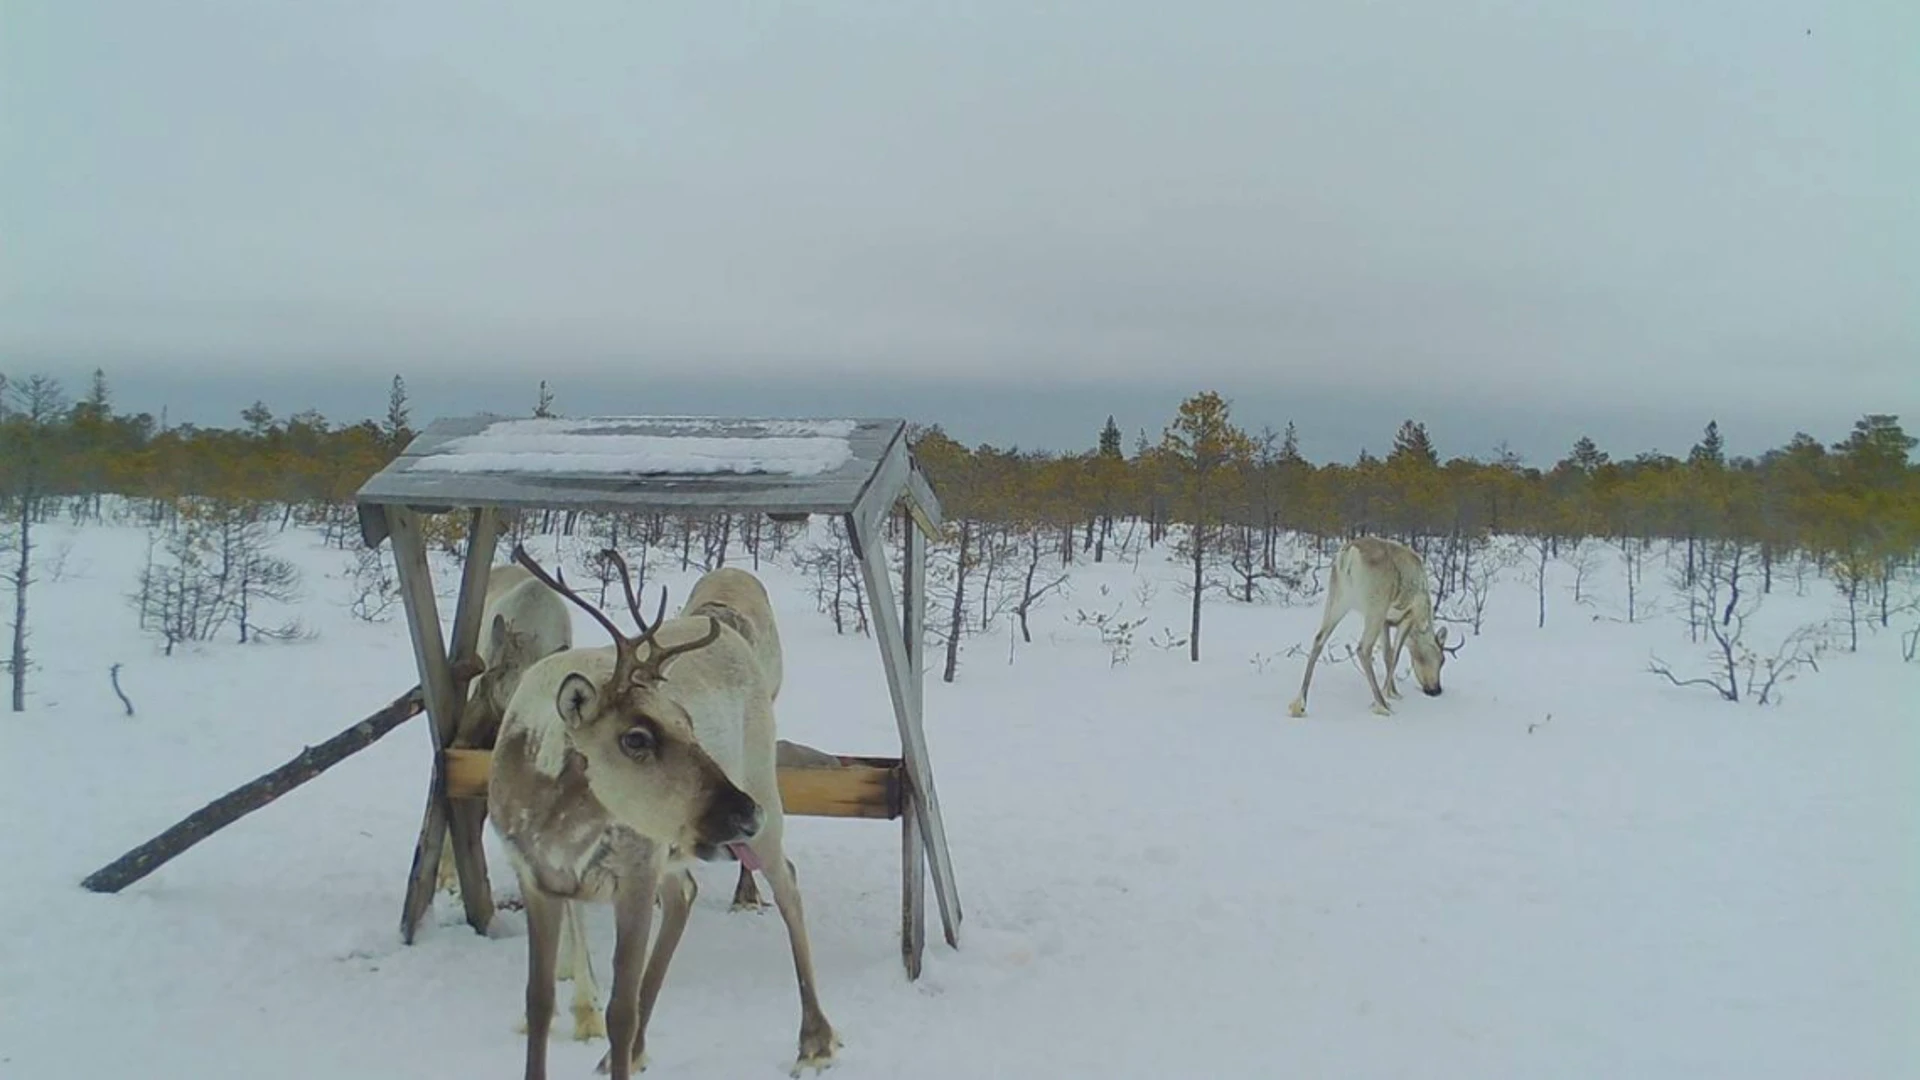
1163,875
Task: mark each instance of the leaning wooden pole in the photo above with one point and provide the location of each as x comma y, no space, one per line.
251,796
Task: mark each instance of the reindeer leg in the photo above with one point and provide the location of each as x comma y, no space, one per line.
817,1038
1369,638
563,967
1391,645
676,901
578,953
746,897
543,940
633,902
1336,610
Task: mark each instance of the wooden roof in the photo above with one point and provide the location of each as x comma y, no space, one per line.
681,464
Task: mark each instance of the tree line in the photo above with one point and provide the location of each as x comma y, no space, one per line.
1232,503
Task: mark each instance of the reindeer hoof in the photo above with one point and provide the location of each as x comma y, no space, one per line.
1381,710
606,1062
816,1051
589,1023
1393,692
1297,709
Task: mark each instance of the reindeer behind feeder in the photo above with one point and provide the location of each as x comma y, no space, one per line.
523,622
616,767
1385,582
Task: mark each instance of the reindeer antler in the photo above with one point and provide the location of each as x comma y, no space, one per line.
633,598
650,668
1454,649
629,667
559,585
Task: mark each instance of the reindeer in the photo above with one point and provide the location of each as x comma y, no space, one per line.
1385,582
522,621
617,767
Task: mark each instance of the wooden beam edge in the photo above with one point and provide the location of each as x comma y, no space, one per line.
864,787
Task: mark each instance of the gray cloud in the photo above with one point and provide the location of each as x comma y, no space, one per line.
1523,212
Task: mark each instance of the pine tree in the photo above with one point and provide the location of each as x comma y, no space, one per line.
1110,440
1586,456
397,433
1413,446
258,418
1711,449
97,405
1876,452
1290,444
1207,451
543,406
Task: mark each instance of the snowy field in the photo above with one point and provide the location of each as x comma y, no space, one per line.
1163,875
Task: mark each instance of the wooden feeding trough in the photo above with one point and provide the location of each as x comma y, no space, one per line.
858,470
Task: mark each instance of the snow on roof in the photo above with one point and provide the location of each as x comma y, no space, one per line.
612,444
678,464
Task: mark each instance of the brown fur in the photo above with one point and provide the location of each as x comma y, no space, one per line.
592,812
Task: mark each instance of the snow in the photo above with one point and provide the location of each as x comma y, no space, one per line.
604,445
1163,874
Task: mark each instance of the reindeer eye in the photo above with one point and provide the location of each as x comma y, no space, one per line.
636,741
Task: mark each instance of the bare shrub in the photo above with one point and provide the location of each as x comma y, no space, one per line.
1116,631
1478,577
1582,555
372,586
839,589
1719,607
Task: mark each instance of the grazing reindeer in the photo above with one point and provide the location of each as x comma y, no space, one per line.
1385,582
615,767
522,621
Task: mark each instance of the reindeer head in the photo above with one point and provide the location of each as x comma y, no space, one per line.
1428,650
509,654
644,762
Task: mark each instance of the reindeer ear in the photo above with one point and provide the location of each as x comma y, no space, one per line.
576,700
497,639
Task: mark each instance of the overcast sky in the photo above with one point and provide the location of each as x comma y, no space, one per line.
1623,216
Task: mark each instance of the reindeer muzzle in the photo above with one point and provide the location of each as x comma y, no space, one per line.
732,819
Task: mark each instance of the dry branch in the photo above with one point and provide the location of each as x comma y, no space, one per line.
113,673
1660,667
251,796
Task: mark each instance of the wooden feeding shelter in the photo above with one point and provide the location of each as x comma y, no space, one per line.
858,470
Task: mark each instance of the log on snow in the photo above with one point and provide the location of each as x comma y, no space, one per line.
251,796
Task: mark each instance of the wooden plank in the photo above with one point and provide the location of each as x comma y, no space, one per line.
251,796
913,890
467,820
913,616
883,489
853,791
913,847
924,504
436,686
444,693
863,788
467,773
913,740
412,481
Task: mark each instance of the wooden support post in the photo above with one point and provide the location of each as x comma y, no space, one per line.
913,847
923,801
444,695
467,820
